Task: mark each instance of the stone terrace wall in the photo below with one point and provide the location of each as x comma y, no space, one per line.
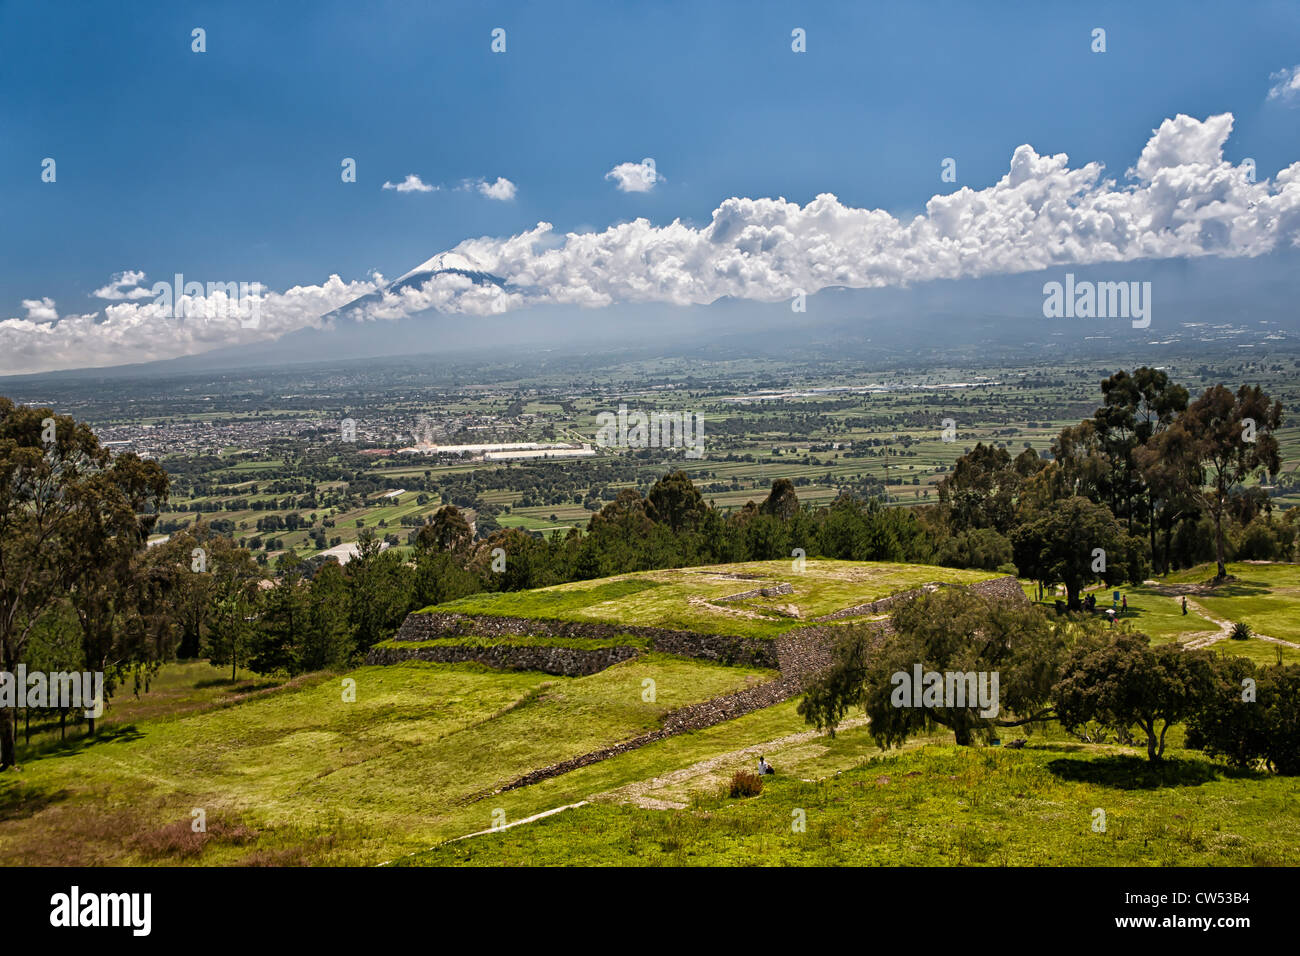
563,661
800,653
694,717
1005,587
773,591
723,648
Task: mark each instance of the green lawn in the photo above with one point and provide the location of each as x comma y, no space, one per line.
1160,616
1265,596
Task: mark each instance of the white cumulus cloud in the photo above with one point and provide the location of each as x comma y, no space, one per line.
1286,85
502,189
123,285
635,177
1181,199
411,184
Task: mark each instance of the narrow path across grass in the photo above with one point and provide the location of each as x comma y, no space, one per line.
1200,641
636,792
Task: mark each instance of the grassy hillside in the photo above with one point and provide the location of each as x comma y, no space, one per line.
299,775
294,774
936,805
687,598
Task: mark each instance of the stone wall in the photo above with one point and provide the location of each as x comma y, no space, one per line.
562,661
773,591
722,648
1007,588
694,717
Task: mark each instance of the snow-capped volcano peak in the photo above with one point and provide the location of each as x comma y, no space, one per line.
444,261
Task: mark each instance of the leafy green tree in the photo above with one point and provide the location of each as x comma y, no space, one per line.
440,577
675,501
951,630
1061,544
1230,438
282,624
51,518
235,596
1135,409
981,548
1251,715
984,485
107,583
1171,472
448,531
781,502
327,640
1124,683
380,591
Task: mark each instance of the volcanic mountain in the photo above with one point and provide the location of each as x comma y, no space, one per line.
444,263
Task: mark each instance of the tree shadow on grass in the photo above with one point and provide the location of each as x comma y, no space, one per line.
22,802
243,685
1125,772
1236,589
115,734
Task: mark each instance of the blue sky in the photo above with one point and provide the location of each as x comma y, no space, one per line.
226,164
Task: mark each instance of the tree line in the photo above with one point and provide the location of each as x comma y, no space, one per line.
1097,683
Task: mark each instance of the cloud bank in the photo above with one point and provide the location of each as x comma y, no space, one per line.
1180,199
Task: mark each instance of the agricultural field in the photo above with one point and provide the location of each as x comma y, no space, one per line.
272,454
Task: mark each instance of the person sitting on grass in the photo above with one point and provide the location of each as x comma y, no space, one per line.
764,767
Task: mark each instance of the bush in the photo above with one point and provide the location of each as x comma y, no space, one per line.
746,783
1247,728
1240,631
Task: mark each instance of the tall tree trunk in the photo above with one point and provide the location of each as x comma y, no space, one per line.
1151,522
1219,550
8,745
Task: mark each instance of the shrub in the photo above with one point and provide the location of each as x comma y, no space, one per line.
1240,631
746,783
1247,728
